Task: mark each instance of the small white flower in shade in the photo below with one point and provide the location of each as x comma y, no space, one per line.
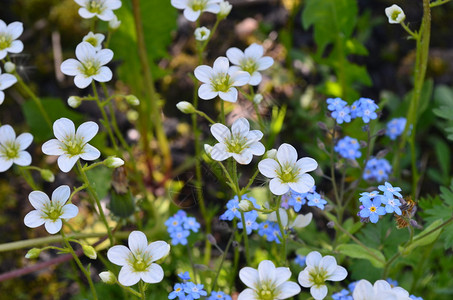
12,149
8,38
225,9
318,270
381,289
220,80
268,282
50,212
89,65
395,14
6,80
202,33
194,8
300,221
103,9
250,61
241,143
70,145
287,172
114,23
95,39
137,261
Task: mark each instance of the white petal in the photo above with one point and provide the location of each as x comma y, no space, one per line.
85,51
5,164
313,259
53,147
181,4
268,167
6,81
254,51
90,153
282,274
362,290
235,55
288,289
158,249
87,131
302,221
204,73
191,15
230,96
24,140
286,155
81,81
61,194
249,277
220,132
16,47
304,278
24,159
248,294
318,292
66,162
137,242
113,4
264,63
212,8
254,136
257,149
63,129
154,274
7,134
240,78
205,92
382,285
106,15
255,79
303,184
266,271
15,29
219,153
277,187
127,276
2,94
243,158
221,65
33,219
38,200
71,67
329,264
339,274
69,211
84,13
104,75
119,255
104,56
240,127
306,164
53,227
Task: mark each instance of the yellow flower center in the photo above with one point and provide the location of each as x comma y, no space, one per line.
249,65
198,5
395,15
373,208
53,212
5,42
236,144
90,68
140,263
288,173
10,150
318,276
92,40
73,147
221,83
95,7
265,292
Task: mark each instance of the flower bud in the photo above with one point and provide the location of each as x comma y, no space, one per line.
47,175
212,239
271,154
132,100
395,14
74,101
246,205
258,98
33,253
202,33
185,107
113,162
208,149
89,251
225,9
9,67
107,277
114,23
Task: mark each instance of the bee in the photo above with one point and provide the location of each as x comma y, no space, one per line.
408,209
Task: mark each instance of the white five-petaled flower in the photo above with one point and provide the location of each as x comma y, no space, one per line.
12,149
381,289
395,14
70,144
89,65
318,270
268,282
202,33
220,80
50,212
8,38
250,61
137,261
6,80
95,39
194,8
103,9
241,143
288,172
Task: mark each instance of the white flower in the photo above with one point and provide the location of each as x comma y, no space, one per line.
6,80
12,149
268,282
70,144
318,270
194,8
99,8
395,14
89,65
8,38
241,143
380,290
250,61
300,221
225,9
114,23
137,261
220,80
49,212
202,33
95,39
288,172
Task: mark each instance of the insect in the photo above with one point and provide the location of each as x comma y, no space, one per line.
408,209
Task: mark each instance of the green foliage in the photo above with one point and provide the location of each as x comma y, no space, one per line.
100,178
423,238
443,96
376,257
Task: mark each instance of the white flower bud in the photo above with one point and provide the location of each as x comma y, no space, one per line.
132,100
208,149
202,33
271,154
107,277
114,23
33,253
9,67
258,98
47,175
246,205
395,14
89,251
113,162
74,101
185,107
225,9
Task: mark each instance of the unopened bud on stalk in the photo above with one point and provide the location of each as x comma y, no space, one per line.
225,9
114,23
185,107
113,162
381,132
74,101
330,224
212,239
271,154
132,100
363,144
321,145
9,67
107,277
47,175
323,126
33,253
382,153
89,251
246,205
258,98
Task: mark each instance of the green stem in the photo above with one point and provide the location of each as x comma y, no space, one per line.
28,178
282,231
438,3
192,263
230,241
142,290
104,116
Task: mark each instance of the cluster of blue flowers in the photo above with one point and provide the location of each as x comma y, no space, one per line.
348,148
296,200
270,231
179,227
233,212
187,290
219,296
345,294
378,169
300,260
364,108
372,202
395,128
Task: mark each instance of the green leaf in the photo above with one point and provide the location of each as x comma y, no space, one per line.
100,178
374,256
421,240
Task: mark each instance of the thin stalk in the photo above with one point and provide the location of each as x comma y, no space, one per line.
230,241
104,116
282,230
192,263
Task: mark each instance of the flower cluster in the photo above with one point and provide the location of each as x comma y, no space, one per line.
377,169
364,108
189,290
395,128
345,294
270,230
234,212
381,289
348,148
179,227
103,9
372,208
219,296
311,198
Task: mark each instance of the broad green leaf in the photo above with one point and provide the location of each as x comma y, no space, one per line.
374,256
421,240
100,178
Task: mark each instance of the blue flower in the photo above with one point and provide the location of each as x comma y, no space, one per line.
348,148
184,276
372,209
270,231
194,291
250,224
219,296
364,108
393,283
174,223
233,208
415,297
335,103
342,115
390,191
351,286
300,260
296,200
179,237
395,128
178,291
377,169
392,205
368,196
316,200
190,223
179,227
343,295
